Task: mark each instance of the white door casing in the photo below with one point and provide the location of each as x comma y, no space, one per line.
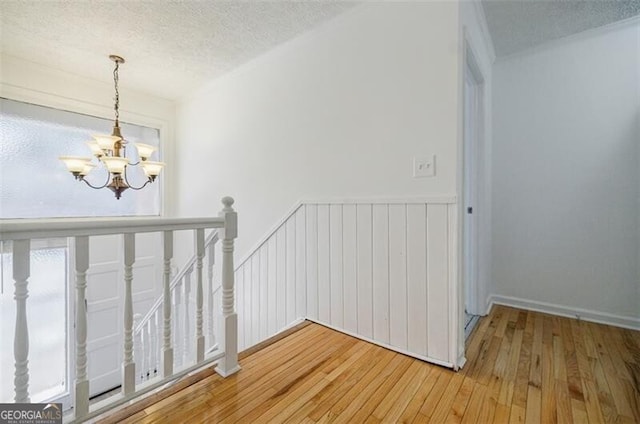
473,118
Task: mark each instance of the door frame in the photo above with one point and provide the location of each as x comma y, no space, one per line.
472,145
469,58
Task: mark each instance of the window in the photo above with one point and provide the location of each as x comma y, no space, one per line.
35,184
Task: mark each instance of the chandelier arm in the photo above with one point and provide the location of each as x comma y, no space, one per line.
98,187
126,180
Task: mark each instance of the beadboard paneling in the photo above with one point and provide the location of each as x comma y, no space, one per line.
381,271
380,247
398,276
312,261
350,280
301,262
416,278
336,270
364,270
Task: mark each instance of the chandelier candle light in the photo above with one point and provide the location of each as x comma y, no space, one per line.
110,151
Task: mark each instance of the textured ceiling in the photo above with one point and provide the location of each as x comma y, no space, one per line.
170,47
516,25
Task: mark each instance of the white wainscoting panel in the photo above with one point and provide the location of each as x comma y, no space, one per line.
301,262
324,264
271,283
312,261
350,280
382,271
364,270
336,269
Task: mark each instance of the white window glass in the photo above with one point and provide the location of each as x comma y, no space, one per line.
34,183
46,320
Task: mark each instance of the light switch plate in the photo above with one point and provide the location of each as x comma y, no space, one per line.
424,166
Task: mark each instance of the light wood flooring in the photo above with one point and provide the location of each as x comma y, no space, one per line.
522,367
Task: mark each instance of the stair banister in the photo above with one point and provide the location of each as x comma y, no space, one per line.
210,242
21,232
189,345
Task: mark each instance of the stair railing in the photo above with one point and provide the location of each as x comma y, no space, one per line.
147,328
21,232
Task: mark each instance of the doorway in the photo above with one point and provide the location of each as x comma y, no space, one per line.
472,146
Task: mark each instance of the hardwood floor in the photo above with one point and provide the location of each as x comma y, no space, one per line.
522,367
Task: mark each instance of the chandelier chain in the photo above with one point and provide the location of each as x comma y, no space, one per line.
117,97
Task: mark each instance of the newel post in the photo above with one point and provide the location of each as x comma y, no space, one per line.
229,324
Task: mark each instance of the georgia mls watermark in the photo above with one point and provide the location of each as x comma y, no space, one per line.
30,413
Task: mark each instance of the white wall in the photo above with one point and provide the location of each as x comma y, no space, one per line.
337,112
566,177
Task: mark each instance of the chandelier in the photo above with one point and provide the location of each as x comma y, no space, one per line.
110,152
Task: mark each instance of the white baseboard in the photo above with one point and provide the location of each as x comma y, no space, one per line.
567,311
292,324
386,346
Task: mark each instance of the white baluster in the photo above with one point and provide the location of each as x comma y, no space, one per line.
167,350
158,334
21,266
210,309
151,349
229,363
146,348
185,319
177,307
138,346
128,366
81,252
199,236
